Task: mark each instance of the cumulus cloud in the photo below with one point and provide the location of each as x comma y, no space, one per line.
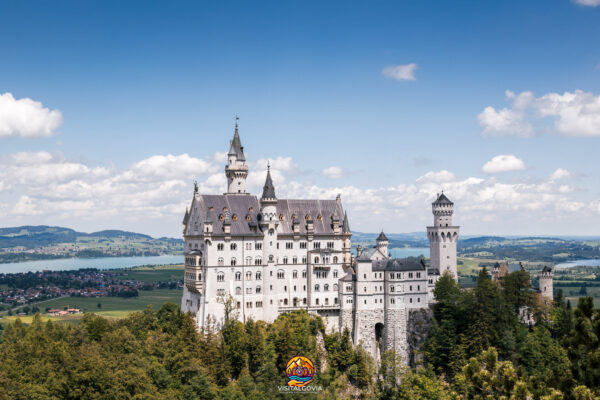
333,172
560,173
503,163
588,3
26,118
150,195
400,72
572,113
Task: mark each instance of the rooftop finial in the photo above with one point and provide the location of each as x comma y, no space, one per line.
236,122
268,165
195,186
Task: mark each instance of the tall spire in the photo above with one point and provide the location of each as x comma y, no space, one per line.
345,225
236,148
269,188
236,169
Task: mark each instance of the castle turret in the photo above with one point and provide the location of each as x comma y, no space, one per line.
382,244
346,246
443,236
236,168
546,276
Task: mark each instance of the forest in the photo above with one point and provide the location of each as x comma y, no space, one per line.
477,349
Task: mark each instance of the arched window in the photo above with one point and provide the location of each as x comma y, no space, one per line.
285,302
258,290
220,261
317,288
335,259
238,290
220,277
294,274
238,276
258,276
285,260
335,287
304,274
326,301
248,260
326,288
233,246
233,261
280,274
270,257
220,246
248,275
316,260
258,261
317,301
295,260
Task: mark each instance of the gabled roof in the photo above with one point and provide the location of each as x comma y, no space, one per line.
236,148
269,188
364,256
186,217
382,237
442,199
399,264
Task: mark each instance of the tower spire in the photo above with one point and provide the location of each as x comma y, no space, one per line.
269,188
236,169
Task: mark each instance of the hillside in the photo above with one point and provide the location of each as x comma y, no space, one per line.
47,242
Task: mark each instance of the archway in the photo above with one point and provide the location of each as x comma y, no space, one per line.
379,332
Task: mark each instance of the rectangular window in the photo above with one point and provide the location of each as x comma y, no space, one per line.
258,246
316,245
289,245
303,245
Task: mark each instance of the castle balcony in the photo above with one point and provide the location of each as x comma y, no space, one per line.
193,279
321,267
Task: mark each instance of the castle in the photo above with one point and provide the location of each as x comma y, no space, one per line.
270,256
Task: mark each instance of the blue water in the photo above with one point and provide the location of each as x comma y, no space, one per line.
78,263
409,252
577,263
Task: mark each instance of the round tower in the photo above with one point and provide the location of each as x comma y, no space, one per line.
382,244
443,237
236,169
546,277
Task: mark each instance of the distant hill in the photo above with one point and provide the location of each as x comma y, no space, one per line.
46,242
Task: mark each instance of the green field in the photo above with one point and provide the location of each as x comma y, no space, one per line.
151,274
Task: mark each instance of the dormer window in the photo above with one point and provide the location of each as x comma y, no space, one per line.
281,217
224,209
221,217
234,217
306,217
293,217
248,218
320,217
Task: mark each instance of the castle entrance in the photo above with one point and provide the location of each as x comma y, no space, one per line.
379,331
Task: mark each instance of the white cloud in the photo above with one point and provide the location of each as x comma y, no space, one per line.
400,72
438,177
573,114
560,173
26,118
333,172
588,3
503,163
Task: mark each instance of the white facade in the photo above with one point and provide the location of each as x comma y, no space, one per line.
268,255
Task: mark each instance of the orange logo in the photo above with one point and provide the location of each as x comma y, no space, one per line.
300,371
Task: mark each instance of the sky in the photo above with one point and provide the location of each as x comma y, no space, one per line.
110,110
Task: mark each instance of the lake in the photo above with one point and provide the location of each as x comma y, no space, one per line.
578,263
78,263
404,252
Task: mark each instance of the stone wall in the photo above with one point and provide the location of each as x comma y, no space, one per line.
419,323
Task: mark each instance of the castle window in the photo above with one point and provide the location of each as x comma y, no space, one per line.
285,260
285,302
238,305
303,245
348,288
249,246
212,209
326,301
317,301
418,300
295,260
281,217
335,274
285,288
224,209
220,292
258,246
392,301
326,288
316,245
248,260
248,290
411,299
304,262
365,289
220,277
257,261
418,274
251,209
410,275
221,217
270,257
220,261
294,288
306,217
317,288
392,288
259,304
398,276
293,217
238,290
320,217
304,300
234,217
335,300
233,246
304,273
248,218
289,245
295,274
220,246
410,288
248,304
280,274
238,276
316,260
335,259
258,275
233,262
248,276
330,245
258,290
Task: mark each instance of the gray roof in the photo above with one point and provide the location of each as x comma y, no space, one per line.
186,217
546,269
382,237
349,277
399,264
364,256
269,188
243,207
236,148
208,218
346,225
442,199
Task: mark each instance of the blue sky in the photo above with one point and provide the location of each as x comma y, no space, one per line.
137,82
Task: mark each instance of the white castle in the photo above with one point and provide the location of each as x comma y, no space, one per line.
271,256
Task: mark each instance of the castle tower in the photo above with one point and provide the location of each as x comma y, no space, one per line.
546,287
443,236
382,244
236,168
346,246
